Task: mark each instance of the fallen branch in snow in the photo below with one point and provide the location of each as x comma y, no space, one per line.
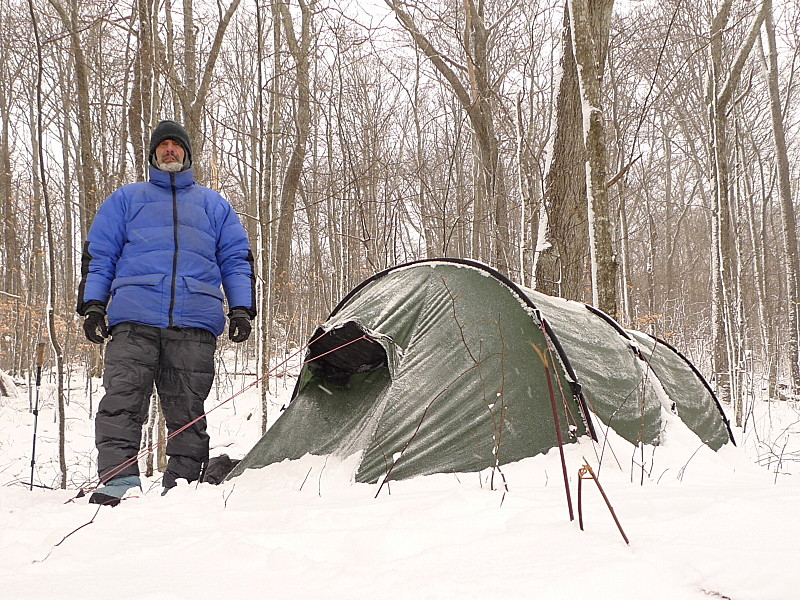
76,530
715,594
225,498
305,479
780,458
319,479
683,468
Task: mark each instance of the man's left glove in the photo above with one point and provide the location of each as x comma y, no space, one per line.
94,326
240,326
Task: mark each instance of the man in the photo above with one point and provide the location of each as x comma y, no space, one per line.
153,263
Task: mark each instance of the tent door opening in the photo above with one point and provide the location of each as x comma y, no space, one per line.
342,352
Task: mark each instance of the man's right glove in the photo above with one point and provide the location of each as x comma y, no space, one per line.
94,326
240,326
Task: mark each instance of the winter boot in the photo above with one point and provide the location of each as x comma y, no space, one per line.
180,467
114,490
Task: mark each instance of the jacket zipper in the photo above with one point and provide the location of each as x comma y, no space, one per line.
175,254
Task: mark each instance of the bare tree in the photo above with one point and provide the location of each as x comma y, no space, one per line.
788,216
90,202
722,83
190,90
476,97
590,29
9,223
140,109
51,252
299,47
561,266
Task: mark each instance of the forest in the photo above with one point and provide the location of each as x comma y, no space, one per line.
639,156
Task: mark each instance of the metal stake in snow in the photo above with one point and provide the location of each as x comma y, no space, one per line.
585,472
39,362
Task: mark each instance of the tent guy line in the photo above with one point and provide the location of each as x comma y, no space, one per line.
97,482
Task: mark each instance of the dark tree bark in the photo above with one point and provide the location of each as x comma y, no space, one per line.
591,22
561,266
90,202
299,49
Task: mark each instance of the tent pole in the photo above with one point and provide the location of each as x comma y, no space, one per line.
557,421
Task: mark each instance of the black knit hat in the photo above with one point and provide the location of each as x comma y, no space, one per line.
170,130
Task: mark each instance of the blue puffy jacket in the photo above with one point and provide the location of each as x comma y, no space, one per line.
159,251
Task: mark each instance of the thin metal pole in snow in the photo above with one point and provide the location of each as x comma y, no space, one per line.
557,423
39,362
585,472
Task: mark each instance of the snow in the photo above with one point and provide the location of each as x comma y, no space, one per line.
701,525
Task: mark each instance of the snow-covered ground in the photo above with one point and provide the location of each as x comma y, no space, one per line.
702,524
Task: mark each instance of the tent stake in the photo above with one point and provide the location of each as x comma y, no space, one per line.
585,472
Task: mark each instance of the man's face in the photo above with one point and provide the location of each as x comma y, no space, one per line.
170,152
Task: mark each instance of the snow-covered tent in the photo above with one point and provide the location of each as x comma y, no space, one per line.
447,366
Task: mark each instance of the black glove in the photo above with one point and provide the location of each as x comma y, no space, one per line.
95,326
240,327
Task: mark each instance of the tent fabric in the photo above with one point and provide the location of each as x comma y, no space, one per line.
447,366
617,385
694,400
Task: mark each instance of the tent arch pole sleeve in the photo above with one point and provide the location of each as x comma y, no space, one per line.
705,383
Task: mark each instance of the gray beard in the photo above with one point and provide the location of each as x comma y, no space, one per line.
172,167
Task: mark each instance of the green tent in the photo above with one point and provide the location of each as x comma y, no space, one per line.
447,366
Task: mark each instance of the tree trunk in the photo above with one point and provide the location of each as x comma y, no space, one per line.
530,202
51,254
267,169
37,267
590,28
9,225
719,96
89,204
68,252
161,452
149,436
140,105
561,266
788,216
299,49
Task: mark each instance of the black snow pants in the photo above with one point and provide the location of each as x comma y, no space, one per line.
181,363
